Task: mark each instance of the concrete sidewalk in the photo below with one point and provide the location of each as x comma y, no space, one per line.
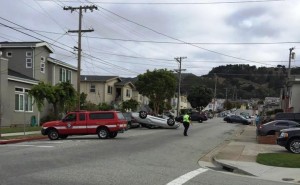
239,156
27,136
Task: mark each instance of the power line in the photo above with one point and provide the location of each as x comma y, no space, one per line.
173,38
169,42
174,3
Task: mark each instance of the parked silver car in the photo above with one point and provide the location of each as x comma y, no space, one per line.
149,121
272,127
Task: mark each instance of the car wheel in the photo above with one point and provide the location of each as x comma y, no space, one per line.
294,146
63,136
170,122
53,134
143,114
103,133
113,134
200,120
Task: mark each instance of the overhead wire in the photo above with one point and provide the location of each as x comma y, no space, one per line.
176,3
173,38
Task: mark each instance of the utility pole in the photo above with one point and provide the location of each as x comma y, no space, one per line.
291,56
215,94
79,31
285,102
179,59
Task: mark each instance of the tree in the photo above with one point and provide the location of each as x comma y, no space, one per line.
104,106
130,105
200,96
62,96
157,85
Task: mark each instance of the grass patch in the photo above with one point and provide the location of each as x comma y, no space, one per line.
288,160
5,130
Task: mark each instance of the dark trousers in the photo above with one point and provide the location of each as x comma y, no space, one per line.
186,127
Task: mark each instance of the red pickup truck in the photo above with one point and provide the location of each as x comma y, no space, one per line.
104,123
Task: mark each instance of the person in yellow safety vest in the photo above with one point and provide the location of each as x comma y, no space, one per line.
186,123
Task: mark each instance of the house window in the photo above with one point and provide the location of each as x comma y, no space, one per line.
93,88
28,63
69,75
43,67
127,93
28,54
65,75
42,59
9,54
23,102
109,89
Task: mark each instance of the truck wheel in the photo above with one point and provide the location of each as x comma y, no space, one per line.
53,134
113,134
103,133
63,136
294,146
170,122
143,114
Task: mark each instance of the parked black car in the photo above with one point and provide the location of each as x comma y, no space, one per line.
290,139
195,116
272,127
237,119
288,116
131,121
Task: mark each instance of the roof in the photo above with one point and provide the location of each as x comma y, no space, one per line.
7,44
58,62
19,75
95,78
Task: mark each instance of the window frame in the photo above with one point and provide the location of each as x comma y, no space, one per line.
7,54
128,94
28,54
109,89
65,75
43,67
92,88
27,63
23,102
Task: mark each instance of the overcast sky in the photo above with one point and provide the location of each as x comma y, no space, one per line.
132,36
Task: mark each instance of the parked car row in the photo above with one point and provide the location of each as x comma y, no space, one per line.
237,119
272,127
195,116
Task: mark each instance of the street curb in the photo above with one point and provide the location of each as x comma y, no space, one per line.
11,141
231,168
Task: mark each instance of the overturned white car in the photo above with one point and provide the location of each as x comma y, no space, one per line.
149,121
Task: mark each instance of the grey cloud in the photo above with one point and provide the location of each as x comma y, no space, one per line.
250,23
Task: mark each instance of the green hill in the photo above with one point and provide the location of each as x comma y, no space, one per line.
241,81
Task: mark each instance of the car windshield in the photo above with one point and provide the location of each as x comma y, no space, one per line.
120,116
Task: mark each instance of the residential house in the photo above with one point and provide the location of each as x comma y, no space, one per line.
24,64
215,105
183,103
112,90
142,100
290,96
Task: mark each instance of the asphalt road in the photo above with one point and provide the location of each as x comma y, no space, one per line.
137,157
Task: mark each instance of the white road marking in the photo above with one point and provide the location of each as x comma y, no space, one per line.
39,146
186,177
